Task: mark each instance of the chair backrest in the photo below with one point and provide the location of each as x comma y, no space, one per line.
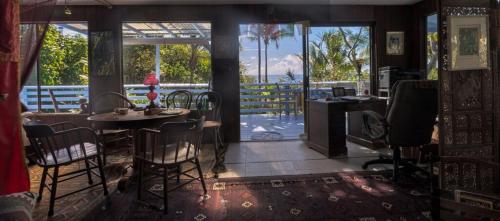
338,91
54,101
47,143
176,142
179,99
208,105
350,92
412,112
108,101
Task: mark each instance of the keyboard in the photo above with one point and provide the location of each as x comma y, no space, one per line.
356,98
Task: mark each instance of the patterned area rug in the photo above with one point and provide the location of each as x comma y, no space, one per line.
336,196
76,206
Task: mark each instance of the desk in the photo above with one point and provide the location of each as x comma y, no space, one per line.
327,123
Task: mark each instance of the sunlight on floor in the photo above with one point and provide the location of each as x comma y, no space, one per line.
246,159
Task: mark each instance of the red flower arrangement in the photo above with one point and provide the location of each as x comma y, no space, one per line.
151,80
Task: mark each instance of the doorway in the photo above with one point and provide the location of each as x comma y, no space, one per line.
271,82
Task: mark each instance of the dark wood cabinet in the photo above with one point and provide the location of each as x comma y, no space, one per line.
327,123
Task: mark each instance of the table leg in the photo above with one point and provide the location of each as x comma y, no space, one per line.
131,174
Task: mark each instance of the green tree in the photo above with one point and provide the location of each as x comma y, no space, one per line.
179,63
138,60
244,77
273,33
327,59
356,48
63,58
432,55
340,54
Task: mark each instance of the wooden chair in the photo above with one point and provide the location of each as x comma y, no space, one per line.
54,101
159,151
286,98
62,144
105,103
179,99
208,105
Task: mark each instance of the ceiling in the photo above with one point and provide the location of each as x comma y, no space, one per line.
209,2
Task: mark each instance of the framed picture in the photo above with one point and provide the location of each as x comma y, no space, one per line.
102,53
395,43
468,43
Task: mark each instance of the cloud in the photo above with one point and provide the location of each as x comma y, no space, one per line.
276,65
290,61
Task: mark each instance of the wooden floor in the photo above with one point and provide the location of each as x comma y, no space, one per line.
255,127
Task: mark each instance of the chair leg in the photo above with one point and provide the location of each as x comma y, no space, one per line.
165,191
219,135
202,179
222,148
139,179
89,174
53,190
101,173
396,159
178,171
216,147
42,183
104,154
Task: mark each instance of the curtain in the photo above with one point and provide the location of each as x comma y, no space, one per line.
36,16
18,52
13,173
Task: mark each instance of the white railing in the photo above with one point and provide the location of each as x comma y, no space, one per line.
254,98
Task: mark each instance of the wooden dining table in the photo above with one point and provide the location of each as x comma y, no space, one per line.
133,120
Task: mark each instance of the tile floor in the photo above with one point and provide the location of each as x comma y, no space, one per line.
290,158
289,126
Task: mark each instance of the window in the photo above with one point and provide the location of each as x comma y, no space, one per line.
61,72
432,47
179,54
339,57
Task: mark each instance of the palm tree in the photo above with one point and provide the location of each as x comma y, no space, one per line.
254,33
353,43
273,33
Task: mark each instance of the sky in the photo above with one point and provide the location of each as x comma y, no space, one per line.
279,59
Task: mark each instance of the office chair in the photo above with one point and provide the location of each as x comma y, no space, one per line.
408,122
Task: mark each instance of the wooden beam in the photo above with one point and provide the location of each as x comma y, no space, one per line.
165,41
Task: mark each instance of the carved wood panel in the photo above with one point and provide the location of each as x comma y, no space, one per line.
466,116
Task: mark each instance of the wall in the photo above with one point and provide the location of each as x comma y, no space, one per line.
225,20
469,108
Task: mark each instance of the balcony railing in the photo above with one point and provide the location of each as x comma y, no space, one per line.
254,98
